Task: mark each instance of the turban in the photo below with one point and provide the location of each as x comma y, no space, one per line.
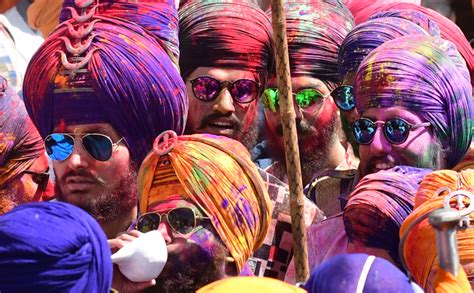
227,34
43,15
358,273
369,35
20,142
249,284
449,30
53,247
357,6
217,175
420,251
378,206
315,31
128,79
427,76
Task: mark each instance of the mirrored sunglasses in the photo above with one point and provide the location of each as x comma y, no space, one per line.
182,220
344,97
304,98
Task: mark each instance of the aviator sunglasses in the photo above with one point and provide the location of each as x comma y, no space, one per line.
60,146
182,220
344,97
207,88
396,130
304,98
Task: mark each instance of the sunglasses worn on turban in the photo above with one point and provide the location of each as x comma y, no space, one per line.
304,98
182,220
396,130
60,146
207,88
344,97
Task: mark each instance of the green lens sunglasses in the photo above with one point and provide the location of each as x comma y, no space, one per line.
304,98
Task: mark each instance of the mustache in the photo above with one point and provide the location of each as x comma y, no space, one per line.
215,116
83,173
302,127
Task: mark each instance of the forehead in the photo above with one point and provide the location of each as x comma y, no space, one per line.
103,128
384,113
222,73
301,82
171,203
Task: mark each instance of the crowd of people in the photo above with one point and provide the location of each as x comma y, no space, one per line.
121,117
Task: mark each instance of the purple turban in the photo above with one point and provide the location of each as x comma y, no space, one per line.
369,35
427,76
379,204
225,33
124,77
53,247
346,272
315,31
20,142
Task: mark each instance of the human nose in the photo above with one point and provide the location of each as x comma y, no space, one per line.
79,157
380,145
165,230
224,103
298,111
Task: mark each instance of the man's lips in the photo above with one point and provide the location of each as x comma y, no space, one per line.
80,183
383,165
223,124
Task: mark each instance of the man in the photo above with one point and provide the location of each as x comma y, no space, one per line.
225,61
315,31
99,102
216,206
23,163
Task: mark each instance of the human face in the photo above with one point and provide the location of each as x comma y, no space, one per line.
316,125
223,116
104,189
348,117
195,259
421,149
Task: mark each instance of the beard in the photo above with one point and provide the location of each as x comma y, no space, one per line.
192,273
107,205
8,201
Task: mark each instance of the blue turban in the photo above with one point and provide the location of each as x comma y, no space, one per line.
53,247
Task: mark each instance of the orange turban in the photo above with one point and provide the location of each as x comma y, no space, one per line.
420,249
217,174
249,284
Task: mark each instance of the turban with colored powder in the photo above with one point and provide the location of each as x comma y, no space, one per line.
227,34
53,247
369,35
249,284
358,273
449,30
20,142
420,251
217,174
427,76
43,15
315,31
379,204
130,81
357,6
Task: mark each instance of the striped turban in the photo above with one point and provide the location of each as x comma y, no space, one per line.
427,76
379,204
225,33
369,35
216,174
420,251
20,142
53,247
124,77
315,31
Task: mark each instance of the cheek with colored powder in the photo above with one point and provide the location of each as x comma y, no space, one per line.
205,239
326,113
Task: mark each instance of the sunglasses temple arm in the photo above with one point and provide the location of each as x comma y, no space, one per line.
133,225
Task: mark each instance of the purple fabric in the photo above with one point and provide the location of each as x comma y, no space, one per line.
427,76
414,16
130,82
53,247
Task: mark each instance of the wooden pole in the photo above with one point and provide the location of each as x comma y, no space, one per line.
293,167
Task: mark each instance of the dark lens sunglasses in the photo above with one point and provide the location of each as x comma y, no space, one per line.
182,220
396,130
344,97
40,178
304,98
60,146
243,91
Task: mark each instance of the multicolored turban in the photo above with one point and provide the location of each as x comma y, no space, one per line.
43,15
449,30
53,247
225,33
121,72
358,272
216,173
249,284
315,31
20,142
420,251
378,206
357,6
369,35
427,76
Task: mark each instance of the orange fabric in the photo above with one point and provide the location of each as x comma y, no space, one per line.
219,177
445,282
468,161
43,15
6,5
420,249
